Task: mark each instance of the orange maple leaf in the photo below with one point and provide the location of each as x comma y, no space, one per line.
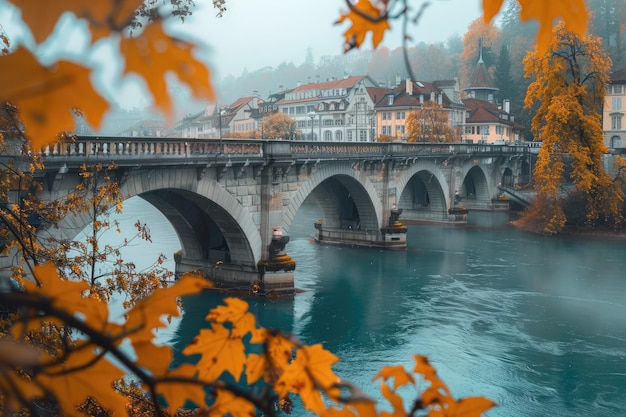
145,316
469,407
361,25
227,403
308,375
491,9
236,312
176,393
573,12
68,295
83,375
220,352
48,97
41,16
156,358
154,54
395,400
400,375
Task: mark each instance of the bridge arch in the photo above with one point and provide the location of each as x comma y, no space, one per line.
197,210
421,191
475,187
507,178
346,197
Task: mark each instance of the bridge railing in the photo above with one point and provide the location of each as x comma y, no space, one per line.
160,147
92,146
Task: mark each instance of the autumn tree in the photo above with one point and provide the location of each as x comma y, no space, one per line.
279,126
569,86
479,34
430,124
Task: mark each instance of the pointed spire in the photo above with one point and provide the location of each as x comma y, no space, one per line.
480,50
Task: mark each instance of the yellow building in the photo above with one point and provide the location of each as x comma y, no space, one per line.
613,123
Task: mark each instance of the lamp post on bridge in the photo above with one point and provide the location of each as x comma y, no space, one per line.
220,114
311,114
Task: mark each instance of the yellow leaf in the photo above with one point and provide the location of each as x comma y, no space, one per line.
354,409
220,352
19,383
227,403
236,312
42,15
152,357
80,377
470,407
395,400
47,97
176,393
491,8
573,12
146,314
308,375
154,54
400,375
68,295
355,34
255,367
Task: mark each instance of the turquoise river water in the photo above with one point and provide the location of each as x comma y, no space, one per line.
536,324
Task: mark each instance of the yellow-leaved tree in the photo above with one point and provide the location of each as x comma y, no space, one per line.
568,86
82,369
430,124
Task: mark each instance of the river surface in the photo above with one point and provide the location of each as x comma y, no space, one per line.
536,324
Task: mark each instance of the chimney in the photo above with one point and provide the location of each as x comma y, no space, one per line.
421,99
507,105
409,87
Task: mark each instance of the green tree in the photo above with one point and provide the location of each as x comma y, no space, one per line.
569,86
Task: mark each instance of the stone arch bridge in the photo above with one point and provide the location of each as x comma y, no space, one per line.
229,201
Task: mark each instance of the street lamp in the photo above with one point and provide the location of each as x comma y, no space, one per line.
221,113
311,114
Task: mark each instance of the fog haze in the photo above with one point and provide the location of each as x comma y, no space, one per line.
253,34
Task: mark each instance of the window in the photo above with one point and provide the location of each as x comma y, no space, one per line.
400,115
349,136
338,137
328,135
389,100
616,103
485,130
617,89
384,115
616,122
363,135
499,130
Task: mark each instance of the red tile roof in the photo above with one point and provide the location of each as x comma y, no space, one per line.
343,83
619,76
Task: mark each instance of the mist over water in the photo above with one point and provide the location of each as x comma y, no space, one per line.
536,324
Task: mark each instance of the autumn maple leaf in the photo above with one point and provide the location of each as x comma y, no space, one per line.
398,373
573,12
220,352
369,20
48,97
154,55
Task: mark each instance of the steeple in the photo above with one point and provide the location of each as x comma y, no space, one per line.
481,85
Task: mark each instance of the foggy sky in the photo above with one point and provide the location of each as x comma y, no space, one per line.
257,33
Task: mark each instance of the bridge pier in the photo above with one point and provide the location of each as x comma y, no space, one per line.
390,236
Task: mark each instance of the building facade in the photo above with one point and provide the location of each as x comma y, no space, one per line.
334,110
613,122
392,109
